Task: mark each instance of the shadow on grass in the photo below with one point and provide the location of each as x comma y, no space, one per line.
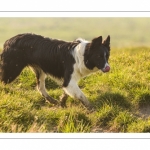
144,100
50,84
143,104
114,99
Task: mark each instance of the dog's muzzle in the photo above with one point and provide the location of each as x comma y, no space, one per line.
106,68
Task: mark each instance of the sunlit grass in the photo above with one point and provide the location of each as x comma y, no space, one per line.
118,97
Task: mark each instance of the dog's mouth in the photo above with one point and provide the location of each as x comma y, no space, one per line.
106,69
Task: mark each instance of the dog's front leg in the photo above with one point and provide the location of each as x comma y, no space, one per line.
74,91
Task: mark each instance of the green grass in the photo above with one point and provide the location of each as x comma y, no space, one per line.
123,31
118,96
121,97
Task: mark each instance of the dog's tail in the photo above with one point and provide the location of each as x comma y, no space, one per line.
11,64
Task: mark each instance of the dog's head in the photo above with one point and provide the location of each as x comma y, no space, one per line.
97,54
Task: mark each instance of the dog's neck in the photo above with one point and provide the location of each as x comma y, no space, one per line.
80,70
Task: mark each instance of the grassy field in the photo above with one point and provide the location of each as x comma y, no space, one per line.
123,31
121,97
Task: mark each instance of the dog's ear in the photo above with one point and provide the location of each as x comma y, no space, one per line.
97,41
106,42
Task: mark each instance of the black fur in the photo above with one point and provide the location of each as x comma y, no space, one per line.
53,56
94,53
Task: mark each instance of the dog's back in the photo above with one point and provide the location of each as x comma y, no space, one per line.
34,50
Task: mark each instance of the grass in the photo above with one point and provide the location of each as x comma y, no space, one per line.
123,31
118,96
121,97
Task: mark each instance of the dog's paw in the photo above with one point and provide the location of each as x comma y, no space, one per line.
63,105
52,101
90,108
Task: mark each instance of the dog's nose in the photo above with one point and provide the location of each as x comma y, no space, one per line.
106,69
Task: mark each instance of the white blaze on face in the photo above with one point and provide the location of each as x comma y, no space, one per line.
106,67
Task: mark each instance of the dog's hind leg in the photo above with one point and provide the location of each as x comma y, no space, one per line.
41,76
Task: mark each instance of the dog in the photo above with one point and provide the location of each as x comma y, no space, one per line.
62,60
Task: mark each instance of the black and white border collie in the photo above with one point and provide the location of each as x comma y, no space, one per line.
65,61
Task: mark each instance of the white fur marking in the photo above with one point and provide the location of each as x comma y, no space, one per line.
80,70
74,91
106,65
41,86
